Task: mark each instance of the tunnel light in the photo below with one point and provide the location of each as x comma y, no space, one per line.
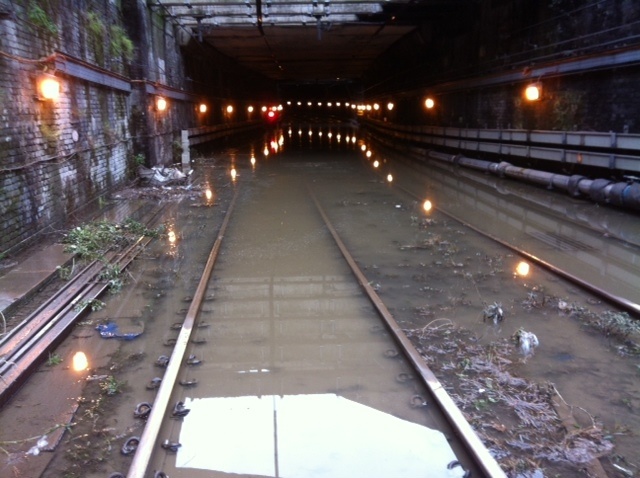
48,88
533,92
202,108
264,109
390,106
229,109
376,163
369,154
250,109
161,103
429,103
389,178
376,106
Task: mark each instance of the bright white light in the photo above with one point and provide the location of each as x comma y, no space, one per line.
429,103
532,92
427,206
389,177
49,88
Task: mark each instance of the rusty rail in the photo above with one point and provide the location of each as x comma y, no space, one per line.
469,439
159,407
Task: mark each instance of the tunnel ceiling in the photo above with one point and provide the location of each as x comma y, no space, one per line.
303,42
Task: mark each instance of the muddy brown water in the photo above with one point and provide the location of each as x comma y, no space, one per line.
297,378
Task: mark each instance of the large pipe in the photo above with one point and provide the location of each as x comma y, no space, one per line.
602,191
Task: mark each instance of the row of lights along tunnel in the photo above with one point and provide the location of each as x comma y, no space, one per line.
49,90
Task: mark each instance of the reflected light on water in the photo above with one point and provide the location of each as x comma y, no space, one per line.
253,160
427,206
353,139
389,177
80,362
369,154
308,435
234,173
266,150
376,163
363,147
172,237
522,269
208,194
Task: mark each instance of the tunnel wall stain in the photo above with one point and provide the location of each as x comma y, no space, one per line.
57,158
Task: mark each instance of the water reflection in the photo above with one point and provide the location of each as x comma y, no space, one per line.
321,435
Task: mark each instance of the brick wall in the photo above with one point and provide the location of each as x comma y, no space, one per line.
57,157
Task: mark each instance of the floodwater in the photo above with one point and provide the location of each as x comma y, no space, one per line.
298,377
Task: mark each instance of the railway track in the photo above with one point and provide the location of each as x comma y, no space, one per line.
27,344
476,456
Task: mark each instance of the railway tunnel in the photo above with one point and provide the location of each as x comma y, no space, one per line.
336,327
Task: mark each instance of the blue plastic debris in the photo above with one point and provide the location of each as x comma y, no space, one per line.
110,330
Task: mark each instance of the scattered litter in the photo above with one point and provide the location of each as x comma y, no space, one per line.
526,341
494,312
110,330
161,176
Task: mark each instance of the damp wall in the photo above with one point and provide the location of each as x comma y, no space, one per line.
111,59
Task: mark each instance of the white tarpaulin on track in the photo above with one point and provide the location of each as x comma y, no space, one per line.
308,436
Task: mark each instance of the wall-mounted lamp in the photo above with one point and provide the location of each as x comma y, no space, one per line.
533,92
250,109
48,87
429,103
229,109
161,103
390,106
202,108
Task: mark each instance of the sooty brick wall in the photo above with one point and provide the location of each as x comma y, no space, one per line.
57,157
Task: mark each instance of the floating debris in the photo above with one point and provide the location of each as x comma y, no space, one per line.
110,330
494,313
391,353
526,341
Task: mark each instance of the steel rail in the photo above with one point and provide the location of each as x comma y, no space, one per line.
50,332
622,302
47,326
160,405
468,437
